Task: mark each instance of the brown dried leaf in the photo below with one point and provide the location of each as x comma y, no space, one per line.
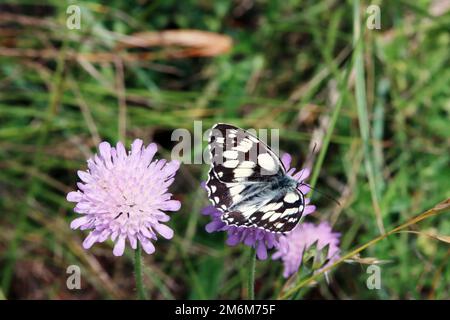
195,42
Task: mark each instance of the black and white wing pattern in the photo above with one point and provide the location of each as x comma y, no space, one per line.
248,182
238,156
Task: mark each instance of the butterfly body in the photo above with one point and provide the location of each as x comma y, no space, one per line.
260,192
249,184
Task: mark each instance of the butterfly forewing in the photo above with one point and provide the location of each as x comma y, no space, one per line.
237,156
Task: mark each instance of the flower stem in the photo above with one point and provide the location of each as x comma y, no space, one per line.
138,273
251,275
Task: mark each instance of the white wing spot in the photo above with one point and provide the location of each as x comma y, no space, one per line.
247,143
230,154
267,215
291,197
248,210
267,162
279,225
247,165
213,188
275,216
242,173
244,146
231,163
268,207
288,212
278,206
240,148
272,206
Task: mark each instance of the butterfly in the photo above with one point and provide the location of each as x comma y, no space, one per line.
248,183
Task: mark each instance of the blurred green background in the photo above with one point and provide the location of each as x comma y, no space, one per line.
375,101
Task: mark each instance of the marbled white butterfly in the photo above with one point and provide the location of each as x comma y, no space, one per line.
248,182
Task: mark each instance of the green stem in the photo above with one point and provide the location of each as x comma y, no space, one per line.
251,275
138,273
363,116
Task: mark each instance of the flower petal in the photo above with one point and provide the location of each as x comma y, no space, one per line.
286,160
233,239
304,188
84,176
214,226
261,251
74,196
171,167
82,207
121,152
133,241
105,152
164,230
75,224
308,210
136,146
302,175
171,205
148,246
250,238
119,247
90,240
149,152
209,210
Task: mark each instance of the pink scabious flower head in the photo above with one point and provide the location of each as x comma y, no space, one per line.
308,242
257,238
123,196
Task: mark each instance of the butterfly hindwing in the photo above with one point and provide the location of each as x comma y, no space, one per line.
280,214
218,192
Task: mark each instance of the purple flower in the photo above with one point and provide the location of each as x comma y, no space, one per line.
122,196
253,237
257,238
292,247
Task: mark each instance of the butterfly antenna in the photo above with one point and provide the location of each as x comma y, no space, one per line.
312,152
322,193
306,184
314,148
